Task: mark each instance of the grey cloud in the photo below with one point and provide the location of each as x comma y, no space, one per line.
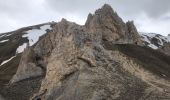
165,18
15,14
153,8
74,5
154,11
19,13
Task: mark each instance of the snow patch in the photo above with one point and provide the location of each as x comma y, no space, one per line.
168,38
4,62
5,35
34,34
147,37
2,35
4,41
8,35
153,46
21,48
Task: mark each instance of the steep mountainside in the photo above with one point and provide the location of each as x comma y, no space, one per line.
15,42
105,59
12,44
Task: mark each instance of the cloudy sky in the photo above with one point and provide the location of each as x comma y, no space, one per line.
148,15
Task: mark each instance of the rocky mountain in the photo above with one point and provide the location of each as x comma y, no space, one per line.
105,59
157,42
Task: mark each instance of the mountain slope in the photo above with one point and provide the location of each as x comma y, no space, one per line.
12,45
156,41
15,42
105,59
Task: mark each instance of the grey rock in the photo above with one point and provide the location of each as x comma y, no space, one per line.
100,60
27,67
81,68
112,27
165,49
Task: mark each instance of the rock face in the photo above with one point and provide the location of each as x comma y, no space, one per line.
21,66
101,60
27,67
105,25
165,49
111,26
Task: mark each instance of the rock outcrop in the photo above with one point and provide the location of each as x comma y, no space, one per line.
105,25
165,49
101,60
81,68
28,66
112,27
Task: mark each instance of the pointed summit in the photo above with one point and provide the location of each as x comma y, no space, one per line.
63,20
107,6
106,21
106,9
101,16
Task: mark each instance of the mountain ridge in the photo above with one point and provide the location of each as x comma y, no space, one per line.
105,59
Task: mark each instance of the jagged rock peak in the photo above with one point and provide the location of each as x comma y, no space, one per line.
133,33
97,62
112,27
103,13
63,20
106,9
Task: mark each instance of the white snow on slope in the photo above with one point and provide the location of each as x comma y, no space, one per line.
4,41
148,36
8,35
21,48
5,35
34,34
4,62
2,35
153,46
168,38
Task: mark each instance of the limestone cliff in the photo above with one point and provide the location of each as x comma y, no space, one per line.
111,26
101,60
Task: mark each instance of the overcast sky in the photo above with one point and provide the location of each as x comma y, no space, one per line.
148,15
